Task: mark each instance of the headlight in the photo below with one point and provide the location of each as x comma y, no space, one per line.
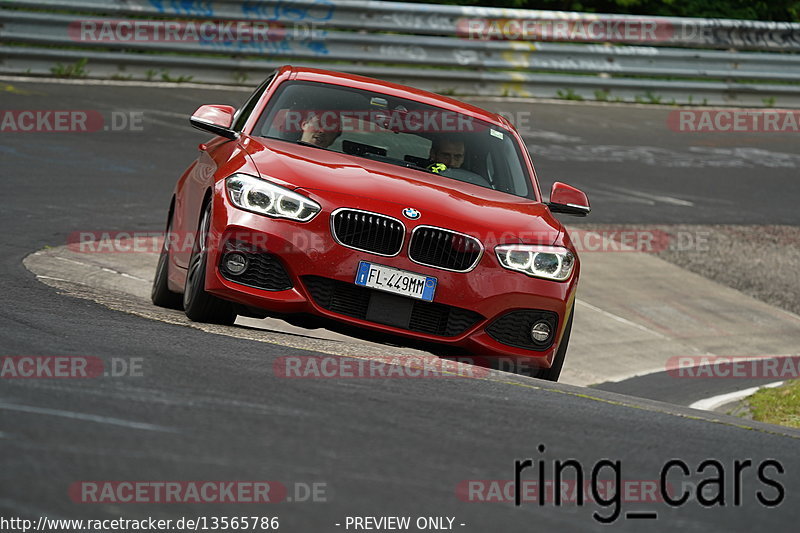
265,198
548,262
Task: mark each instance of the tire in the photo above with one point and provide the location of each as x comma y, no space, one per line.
553,373
303,321
199,305
160,294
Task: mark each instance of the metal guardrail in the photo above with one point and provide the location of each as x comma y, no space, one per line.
419,44
437,19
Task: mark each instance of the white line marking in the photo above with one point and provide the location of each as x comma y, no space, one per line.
583,103
552,136
709,404
618,196
655,197
639,374
55,279
787,313
173,114
85,417
623,320
111,270
164,123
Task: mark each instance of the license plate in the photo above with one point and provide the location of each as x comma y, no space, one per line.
397,281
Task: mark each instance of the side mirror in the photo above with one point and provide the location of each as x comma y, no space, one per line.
216,119
568,200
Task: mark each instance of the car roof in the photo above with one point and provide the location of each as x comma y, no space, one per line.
396,90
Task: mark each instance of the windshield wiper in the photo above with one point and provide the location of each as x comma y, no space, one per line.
300,142
305,143
409,164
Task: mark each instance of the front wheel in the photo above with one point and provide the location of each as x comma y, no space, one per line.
160,294
553,373
199,305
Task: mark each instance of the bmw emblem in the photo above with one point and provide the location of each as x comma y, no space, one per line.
410,212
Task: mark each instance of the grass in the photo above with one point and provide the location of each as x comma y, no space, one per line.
175,79
692,102
601,95
568,94
75,70
151,74
652,98
779,405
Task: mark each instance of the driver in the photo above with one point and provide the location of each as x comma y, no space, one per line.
448,151
321,130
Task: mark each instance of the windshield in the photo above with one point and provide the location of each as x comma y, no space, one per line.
396,131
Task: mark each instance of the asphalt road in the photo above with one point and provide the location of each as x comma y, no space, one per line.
664,387
210,407
636,169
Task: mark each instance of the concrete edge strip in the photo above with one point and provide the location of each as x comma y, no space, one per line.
122,302
621,319
709,404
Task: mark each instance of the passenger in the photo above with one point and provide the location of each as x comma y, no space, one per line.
321,130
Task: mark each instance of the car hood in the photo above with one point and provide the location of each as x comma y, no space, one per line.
343,180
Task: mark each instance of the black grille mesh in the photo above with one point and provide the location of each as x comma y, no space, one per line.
444,249
264,270
338,297
426,317
514,328
368,231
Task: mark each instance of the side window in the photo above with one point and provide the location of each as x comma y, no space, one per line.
505,177
243,112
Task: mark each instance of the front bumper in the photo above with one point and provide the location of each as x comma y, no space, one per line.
308,250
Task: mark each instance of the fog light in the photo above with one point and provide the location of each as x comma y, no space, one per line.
235,263
540,331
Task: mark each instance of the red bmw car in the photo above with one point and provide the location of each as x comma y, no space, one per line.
355,201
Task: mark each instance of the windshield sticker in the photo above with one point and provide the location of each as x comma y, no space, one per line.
495,133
